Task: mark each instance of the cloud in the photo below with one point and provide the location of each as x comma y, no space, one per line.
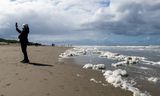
80,19
46,17
123,17
42,16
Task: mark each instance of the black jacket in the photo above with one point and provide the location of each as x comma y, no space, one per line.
23,37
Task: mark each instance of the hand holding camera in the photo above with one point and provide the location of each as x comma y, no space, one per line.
16,24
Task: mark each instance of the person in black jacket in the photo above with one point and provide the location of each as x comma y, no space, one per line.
23,37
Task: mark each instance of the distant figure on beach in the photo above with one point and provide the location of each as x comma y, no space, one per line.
23,37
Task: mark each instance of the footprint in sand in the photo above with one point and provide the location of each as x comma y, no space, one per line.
17,74
77,90
48,94
8,84
45,79
1,95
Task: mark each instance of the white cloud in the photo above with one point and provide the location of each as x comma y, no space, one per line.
92,18
49,13
128,17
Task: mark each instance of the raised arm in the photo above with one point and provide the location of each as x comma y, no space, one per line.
19,31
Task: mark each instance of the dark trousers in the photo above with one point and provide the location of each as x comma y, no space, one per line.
24,50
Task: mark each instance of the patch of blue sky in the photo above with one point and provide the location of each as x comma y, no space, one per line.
104,3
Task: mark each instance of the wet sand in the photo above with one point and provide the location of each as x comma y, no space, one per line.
46,76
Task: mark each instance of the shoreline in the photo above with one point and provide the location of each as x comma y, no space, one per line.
45,76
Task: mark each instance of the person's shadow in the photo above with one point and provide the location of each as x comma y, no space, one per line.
39,64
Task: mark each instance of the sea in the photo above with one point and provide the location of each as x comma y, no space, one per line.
145,71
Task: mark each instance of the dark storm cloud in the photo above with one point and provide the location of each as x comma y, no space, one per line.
134,18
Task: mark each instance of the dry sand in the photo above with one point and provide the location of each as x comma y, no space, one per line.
45,76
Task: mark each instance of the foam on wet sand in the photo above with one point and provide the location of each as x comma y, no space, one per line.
94,66
117,77
153,79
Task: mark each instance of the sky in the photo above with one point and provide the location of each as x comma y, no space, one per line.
89,22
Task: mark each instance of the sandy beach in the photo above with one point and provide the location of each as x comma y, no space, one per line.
46,76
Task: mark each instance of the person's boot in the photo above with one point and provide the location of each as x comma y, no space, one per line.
25,61
22,60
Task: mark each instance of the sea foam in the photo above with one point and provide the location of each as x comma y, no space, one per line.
78,52
123,59
117,79
94,66
153,79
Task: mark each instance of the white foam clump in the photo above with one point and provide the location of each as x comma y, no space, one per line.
98,82
125,60
151,62
128,60
73,52
92,50
95,81
155,63
116,79
77,51
153,79
144,68
158,63
88,66
94,66
110,55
